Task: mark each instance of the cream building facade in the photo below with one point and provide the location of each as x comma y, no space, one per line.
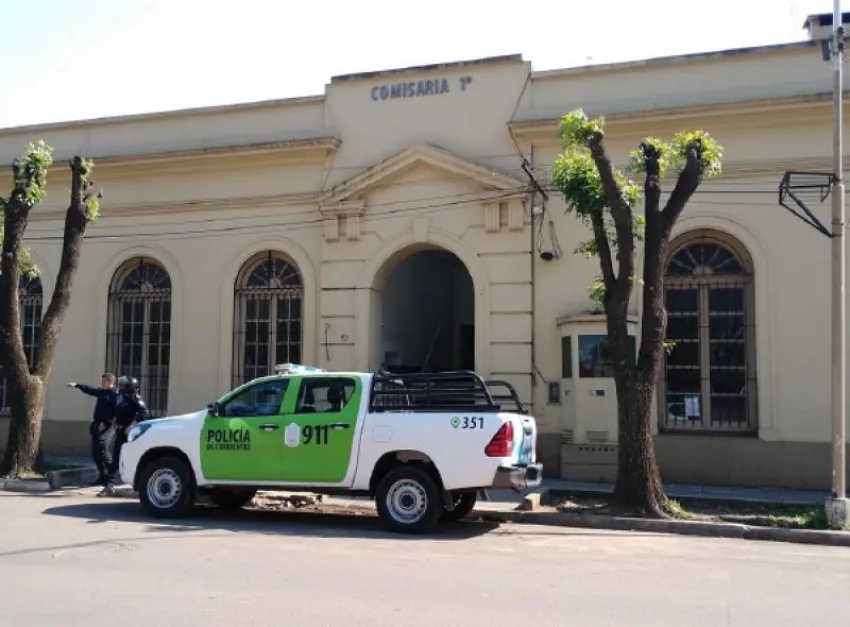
391,220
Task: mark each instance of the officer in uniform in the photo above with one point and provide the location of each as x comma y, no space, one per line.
130,410
102,426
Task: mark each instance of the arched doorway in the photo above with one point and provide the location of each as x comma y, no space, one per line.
425,313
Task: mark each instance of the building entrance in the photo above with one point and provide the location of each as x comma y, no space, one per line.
428,315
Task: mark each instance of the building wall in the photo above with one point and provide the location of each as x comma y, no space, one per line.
349,185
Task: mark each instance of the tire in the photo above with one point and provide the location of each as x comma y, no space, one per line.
160,480
231,499
464,501
408,500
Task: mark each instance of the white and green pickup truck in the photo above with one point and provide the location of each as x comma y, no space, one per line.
422,445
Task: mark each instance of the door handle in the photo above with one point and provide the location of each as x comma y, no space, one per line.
269,427
339,425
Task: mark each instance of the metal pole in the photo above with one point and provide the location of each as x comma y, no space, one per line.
839,392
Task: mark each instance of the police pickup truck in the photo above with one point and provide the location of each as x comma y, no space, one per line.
421,445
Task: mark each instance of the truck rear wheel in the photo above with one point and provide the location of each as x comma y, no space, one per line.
408,500
167,487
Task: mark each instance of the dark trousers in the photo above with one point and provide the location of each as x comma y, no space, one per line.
120,440
102,445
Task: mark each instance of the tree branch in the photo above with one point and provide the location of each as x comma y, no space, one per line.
689,179
75,226
604,247
652,184
620,211
12,354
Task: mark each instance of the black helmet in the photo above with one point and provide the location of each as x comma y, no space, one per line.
128,385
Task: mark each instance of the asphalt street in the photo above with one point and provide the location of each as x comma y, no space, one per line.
80,561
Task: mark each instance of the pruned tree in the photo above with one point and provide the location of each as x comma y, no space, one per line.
605,200
26,382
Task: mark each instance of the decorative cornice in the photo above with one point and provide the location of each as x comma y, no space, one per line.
179,208
344,215
280,146
311,150
423,153
547,129
344,209
164,115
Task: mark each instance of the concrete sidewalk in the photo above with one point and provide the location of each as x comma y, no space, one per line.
715,493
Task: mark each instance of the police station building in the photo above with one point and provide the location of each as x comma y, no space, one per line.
390,221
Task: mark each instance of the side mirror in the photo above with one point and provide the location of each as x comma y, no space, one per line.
214,408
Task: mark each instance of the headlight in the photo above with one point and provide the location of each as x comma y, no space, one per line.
138,431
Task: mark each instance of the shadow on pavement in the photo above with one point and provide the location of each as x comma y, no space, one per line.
271,522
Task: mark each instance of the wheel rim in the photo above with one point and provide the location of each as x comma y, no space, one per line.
407,501
164,488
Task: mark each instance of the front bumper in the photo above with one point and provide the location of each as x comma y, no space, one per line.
518,478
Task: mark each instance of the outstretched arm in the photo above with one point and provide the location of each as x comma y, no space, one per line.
85,389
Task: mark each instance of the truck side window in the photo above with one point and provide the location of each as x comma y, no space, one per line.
324,395
262,399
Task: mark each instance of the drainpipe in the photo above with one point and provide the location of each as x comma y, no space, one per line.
533,293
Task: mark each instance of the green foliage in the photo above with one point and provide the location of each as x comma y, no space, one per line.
578,180
29,186
30,173
91,199
577,129
27,267
674,154
596,293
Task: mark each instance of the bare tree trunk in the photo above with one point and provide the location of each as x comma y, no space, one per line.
28,381
22,446
638,488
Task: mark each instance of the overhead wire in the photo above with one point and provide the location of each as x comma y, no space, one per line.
283,217
295,224
310,219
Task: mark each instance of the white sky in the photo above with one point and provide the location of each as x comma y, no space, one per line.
73,59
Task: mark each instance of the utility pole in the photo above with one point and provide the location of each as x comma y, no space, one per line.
837,506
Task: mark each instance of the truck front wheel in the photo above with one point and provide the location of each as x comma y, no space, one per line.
408,500
167,487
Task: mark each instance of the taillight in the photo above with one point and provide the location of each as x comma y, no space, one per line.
502,443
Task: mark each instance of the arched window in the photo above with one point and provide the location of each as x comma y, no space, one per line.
709,375
267,328
31,297
139,329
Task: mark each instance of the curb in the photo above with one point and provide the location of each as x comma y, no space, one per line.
26,486
82,476
678,527
546,518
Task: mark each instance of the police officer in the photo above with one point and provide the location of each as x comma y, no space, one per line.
131,409
101,428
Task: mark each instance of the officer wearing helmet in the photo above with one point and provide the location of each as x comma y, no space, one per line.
130,410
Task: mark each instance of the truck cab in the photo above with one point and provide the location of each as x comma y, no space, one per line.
422,445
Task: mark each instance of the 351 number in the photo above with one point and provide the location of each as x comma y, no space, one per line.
316,434
474,422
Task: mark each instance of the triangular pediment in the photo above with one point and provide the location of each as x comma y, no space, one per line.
421,155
